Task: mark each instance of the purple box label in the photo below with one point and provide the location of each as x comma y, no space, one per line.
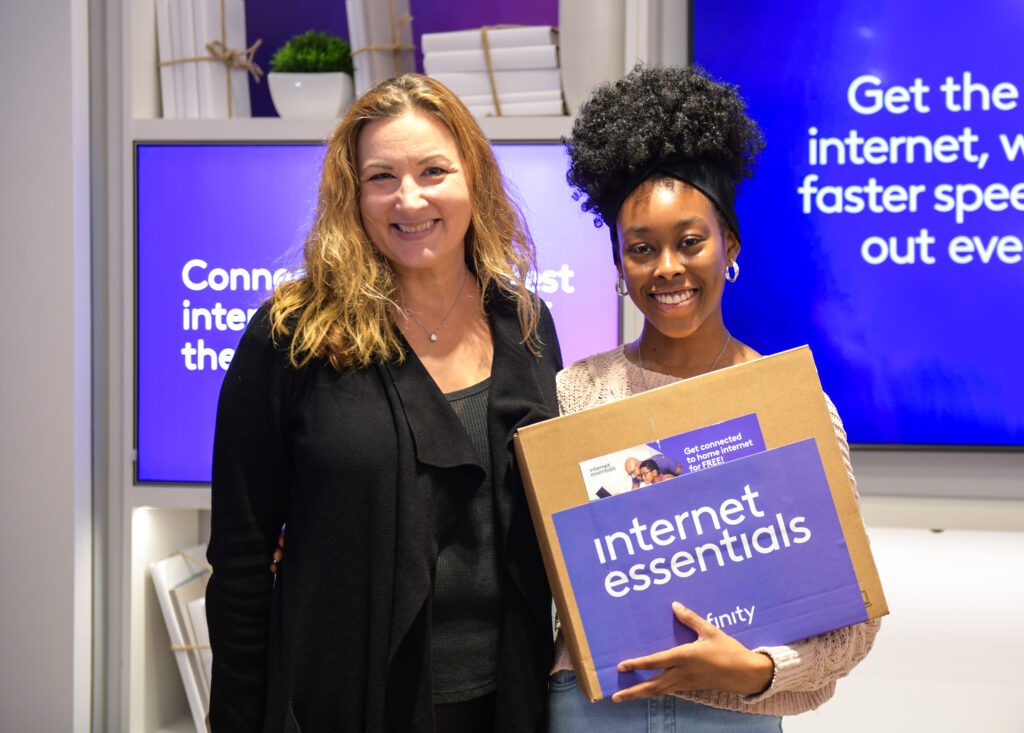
754,545
716,444
696,450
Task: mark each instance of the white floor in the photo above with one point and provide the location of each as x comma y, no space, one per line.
950,656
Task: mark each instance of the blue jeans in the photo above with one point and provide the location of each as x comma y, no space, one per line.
571,712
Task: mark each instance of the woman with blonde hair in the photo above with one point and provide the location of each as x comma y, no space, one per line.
370,406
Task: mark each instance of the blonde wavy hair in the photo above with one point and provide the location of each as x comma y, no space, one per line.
340,309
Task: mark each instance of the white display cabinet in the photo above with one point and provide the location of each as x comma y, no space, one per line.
142,98
146,522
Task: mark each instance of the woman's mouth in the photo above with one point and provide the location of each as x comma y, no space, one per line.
416,228
676,297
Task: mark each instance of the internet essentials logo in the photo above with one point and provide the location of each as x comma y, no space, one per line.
760,532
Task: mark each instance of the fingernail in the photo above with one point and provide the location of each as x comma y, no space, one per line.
678,606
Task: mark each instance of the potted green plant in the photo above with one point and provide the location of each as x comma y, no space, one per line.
311,76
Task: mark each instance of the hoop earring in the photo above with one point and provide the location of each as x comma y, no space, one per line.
620,287
732,272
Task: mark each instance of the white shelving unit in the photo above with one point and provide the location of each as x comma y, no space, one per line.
275,129
147,522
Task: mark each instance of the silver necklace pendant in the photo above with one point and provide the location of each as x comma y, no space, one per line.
432,335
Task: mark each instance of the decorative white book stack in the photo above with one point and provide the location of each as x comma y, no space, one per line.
180,582
203,59
499,71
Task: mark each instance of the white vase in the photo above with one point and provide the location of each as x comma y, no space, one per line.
311,96
591,38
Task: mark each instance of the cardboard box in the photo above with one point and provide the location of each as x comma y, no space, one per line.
760,533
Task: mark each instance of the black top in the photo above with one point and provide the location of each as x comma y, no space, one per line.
467,598
367,467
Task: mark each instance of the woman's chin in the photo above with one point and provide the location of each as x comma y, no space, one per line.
671,328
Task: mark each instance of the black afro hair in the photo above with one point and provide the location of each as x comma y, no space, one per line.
651,114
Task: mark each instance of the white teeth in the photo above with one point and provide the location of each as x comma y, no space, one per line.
413,228
680,296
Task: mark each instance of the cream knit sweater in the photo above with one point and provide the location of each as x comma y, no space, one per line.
805,671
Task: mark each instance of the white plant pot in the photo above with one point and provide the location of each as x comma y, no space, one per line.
311,96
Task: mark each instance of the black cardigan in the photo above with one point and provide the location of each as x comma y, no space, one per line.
368,468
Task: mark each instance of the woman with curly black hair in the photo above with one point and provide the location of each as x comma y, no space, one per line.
657,158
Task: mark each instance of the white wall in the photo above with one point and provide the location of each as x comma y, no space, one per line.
44,371
948,656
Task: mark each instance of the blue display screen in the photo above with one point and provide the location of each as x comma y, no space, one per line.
884,225
217,226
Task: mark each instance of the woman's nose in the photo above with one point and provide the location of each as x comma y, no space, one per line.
410,194
669,263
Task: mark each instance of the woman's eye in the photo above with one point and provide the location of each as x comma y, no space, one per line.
380,177
435,171
640,249
691,241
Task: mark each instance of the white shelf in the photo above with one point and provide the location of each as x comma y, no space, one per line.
181,725
526,128
275,129
249,129
168,496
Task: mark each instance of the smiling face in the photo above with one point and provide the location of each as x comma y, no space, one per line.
674,253
414,196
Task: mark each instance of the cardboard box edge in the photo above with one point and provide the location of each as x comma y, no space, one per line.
554,567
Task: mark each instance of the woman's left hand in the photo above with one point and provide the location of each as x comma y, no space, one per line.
278,555
714,661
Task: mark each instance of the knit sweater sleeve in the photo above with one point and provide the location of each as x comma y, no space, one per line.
806,671
575,386
593,381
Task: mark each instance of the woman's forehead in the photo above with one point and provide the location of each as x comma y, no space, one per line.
666,190
666,201
411,136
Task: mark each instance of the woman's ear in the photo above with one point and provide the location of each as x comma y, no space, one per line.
732,247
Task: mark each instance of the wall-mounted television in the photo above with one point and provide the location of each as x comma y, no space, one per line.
885,222
217,226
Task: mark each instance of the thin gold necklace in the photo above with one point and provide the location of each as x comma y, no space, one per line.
432,334
640,360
